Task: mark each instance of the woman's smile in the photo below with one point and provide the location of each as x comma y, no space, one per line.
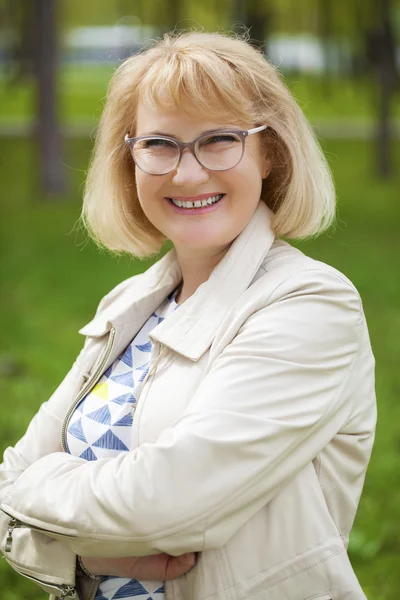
196,205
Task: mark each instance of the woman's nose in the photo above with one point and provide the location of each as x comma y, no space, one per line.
189,169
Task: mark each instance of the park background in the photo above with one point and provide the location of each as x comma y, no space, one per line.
341,60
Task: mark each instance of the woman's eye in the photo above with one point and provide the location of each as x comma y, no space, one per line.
158,142
220,138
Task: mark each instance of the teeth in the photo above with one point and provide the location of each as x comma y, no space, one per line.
197,203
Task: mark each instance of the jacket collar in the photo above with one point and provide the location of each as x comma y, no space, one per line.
190,329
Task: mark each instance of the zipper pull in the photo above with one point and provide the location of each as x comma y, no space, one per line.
68,591
13,524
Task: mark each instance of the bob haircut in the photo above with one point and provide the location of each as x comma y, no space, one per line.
205,74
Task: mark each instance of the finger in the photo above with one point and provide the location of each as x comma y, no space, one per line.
178,565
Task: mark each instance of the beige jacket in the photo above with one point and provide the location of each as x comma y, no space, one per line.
251,435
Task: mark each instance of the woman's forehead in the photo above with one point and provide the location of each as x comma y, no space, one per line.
204,103
152,118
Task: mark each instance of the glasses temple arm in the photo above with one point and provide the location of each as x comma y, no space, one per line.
257,129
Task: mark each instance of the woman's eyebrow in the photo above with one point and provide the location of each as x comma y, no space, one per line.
172,136
157,133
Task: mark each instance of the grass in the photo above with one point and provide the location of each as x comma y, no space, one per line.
52,281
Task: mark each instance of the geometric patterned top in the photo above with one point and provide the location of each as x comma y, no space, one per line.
101,424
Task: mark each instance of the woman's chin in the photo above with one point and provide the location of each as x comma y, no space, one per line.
191,246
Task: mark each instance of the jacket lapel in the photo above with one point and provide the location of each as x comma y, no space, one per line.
192,327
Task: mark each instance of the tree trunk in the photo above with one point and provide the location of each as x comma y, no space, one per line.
238,15
174,15
258,18
45,69
384,56
383,133
325,20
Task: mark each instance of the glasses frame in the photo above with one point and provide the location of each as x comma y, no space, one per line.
191,146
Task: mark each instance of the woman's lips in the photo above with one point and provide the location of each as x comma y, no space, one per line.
195,211
194,198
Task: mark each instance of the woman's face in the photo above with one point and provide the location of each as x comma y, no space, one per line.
209,231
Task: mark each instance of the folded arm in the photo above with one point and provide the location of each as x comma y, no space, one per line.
271,401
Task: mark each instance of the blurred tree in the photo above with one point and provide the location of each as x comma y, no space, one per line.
44,56
173,14
32,28
257,16
324,17
238,15
367,27
381,51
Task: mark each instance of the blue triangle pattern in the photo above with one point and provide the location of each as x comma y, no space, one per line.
144,347
143,367
108,372
130,589
146,370
124,399
111,441
126,357
126,421
77,431
123,379
101,415
88,454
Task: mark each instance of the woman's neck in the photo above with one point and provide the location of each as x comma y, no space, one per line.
195,271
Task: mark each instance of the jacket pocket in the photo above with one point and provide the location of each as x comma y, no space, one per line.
326,596
46,561
17,524
60,591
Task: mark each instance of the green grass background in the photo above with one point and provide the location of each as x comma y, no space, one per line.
52,280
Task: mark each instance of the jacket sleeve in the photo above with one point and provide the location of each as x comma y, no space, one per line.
271,401
49,562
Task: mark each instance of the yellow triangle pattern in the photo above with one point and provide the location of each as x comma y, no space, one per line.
101,390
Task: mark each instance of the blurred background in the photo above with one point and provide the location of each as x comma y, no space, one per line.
341,60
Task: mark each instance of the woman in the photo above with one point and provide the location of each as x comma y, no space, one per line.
223,403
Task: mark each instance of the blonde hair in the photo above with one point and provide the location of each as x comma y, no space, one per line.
211,74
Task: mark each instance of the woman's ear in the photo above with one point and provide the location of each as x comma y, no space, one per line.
267,168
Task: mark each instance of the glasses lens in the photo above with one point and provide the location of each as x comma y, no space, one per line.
220,151
155,155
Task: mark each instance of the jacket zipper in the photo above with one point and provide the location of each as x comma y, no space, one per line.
93,591
91,382
17,524
66,591
12,524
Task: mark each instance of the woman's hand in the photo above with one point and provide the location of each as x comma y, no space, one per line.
157,567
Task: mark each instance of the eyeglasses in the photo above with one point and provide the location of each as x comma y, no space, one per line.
218,150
